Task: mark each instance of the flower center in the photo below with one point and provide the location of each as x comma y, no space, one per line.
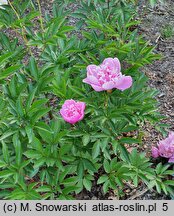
107,74
72,110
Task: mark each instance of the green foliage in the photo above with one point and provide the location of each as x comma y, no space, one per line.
159,179
154,2
167,31
43,157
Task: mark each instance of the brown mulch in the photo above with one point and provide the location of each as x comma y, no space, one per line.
161,72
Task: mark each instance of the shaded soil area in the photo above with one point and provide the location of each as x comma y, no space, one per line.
158,28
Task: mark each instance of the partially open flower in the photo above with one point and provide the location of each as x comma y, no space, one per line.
107,76
165,148
72,111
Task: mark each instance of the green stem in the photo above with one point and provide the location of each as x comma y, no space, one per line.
108,4
106,100
22,28
50,112
41,20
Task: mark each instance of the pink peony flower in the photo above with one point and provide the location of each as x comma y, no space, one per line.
155,152
165,148
72,111
107,76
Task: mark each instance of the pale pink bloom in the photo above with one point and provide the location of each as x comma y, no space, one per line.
107,76
72,111
165,148
155,152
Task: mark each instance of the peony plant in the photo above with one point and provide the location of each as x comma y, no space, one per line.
165,148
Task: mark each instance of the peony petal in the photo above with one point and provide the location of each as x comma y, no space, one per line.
72,119
81,117
171,160
155,152
86,80
117,64
69,102
91,80
97,88
108,85
171,133
124,82
92,70
81,106
62,112
169,140
113,63
77,117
